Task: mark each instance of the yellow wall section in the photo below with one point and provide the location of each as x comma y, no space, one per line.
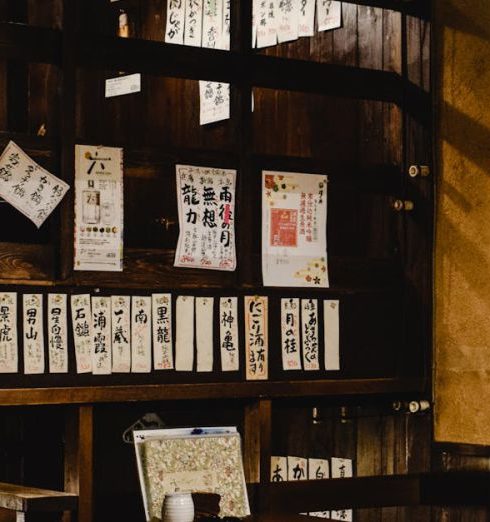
462,265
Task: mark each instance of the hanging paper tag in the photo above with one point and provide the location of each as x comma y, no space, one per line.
309,321
290,334
102,348
193,23
204,333
228,314
279,469
57,333
184,346
297,468
121,333
256,337
141,334
306,26
329,14
267,23
331,334
163,358
174,32
81,319
288,18
33,334
341,468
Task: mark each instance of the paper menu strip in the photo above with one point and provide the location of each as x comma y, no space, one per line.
279,469
81,320
33,334
306,17
212,24
102,333
204,333
290,334
174,31
319,469
288,18
341,468
226,26
331,334
256,337
267,17
140,334
184,346
309,334
121,333
122,85
229,340
57,333
329,14
214,102
297,468
163,358
193,23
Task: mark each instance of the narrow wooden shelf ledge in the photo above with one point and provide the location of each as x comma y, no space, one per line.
25,499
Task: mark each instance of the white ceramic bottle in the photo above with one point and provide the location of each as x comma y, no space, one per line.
178,507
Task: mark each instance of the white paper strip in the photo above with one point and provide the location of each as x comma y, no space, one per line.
255,10
226,26
9,357
214,102
204,333
193,23
290,334
140,334
279,469
229,341
288,18
122,85
163,358
329,14
256,338
33,333
102,333
297,468
267,23
306,25
184,346
81,320
121,333
319,469
28,187
341,468
331,334
212,23
57,333
174,32
309,334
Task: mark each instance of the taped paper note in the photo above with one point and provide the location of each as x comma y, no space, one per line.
294,229
33,334
309,334
256,338
204,333
102,332
267,23
121,333
306,25
342,468
141,334
329,15
122,85
193,23
163,358
184,346
81,320
331,334
174,32
28,187
288,19
290,334
318,469
279,469
229,342
297,468
214,102
57,333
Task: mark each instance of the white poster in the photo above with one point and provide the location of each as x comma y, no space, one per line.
256,337
306,25
267,23
174,31
229,341
102,333
297,468
99,204
309,334
141,334
121,333
214,102
288,20
341,468
184,345
81,320
329,15
294,229
318,469
290,334
27,186
163,358
33,334
57,333
206,205
331,334
279,469
193,23
204,333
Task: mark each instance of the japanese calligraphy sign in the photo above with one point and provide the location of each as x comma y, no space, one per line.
256,337
331,334
102,332
27,186
206,204
163,358
290,334
226,25
329,14
228,326
306,25
309,334
297,468
214,102
279,469
98,208
121,333
294,229
288,17
193,23
57,333
267,15
81,319
174,32
341,468
184,346
8,333
318,469
33,334
141,334
212,23
204,333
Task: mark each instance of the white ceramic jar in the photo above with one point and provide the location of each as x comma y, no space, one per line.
178,507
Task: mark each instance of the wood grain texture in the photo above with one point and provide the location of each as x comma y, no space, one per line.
23,498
